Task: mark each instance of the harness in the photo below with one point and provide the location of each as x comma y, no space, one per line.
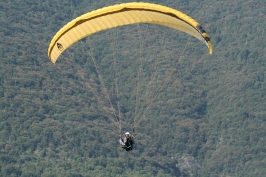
128,144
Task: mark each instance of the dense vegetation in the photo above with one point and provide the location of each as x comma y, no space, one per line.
196,114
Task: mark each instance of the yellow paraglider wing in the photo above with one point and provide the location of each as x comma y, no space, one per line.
123,14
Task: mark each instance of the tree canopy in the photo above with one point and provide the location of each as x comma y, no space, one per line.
197,114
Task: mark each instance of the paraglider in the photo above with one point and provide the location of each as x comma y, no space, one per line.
119,15
123,14
127,142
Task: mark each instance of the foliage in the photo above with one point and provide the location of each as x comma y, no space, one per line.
196,114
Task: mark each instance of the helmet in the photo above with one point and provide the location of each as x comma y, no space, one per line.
127,133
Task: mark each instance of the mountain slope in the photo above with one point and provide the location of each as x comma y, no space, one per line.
196,114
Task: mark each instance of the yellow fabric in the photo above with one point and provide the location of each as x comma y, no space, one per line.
123,14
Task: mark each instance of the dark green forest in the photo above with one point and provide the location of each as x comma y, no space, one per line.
195,114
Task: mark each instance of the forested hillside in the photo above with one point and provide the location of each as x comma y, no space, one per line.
195,114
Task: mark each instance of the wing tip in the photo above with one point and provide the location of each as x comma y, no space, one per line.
210,47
